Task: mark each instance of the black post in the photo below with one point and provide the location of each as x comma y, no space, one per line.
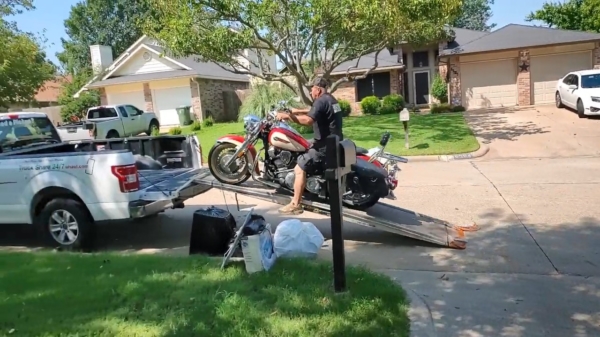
333,176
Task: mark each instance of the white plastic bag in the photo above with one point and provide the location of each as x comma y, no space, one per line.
294,238
258,251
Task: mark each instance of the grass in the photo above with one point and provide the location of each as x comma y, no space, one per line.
434,134
60,294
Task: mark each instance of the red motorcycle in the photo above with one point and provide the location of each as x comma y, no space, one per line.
234,159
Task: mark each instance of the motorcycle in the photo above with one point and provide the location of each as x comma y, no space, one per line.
234,159
386,160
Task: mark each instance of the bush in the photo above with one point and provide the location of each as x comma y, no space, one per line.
175,131
346,107
370,105
208,122
439,89
196,126
458,108
303,129
262,97
392,104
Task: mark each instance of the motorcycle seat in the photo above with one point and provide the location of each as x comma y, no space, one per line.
361,150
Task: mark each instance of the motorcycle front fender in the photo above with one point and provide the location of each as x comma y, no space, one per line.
238,140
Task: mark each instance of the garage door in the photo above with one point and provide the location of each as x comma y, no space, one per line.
489,84
167,100
135,98
547,70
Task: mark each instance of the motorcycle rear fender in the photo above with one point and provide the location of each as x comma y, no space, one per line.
238,140
367,158
371,175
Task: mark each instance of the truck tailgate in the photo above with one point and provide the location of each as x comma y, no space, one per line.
172,184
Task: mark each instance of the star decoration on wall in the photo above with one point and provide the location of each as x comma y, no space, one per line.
524,67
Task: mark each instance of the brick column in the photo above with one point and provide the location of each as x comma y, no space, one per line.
148,98
196,101
103,99
596,57
523,78
455,92
395,81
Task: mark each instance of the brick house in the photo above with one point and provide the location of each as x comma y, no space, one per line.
514,65
144,77
46,96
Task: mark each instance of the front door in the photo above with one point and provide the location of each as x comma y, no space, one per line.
422,87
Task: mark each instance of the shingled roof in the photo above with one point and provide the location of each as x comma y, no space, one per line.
515,36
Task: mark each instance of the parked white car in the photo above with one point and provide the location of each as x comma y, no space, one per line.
111,121
580,90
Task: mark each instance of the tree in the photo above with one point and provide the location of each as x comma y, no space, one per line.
77,107
324,32
573,15
105,22
475,15
23,64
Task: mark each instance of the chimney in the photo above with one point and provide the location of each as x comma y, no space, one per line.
102,58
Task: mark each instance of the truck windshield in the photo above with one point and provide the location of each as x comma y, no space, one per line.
26,131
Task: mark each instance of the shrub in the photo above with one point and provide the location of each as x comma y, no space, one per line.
208,122
76,108
392,104
440,108
370,105
439,89
262,97
346,107
196,126
175,131
303,129
458,108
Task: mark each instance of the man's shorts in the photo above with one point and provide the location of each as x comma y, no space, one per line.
312,161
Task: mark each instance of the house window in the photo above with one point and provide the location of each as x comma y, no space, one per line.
404,58
373,85
436,56
421,59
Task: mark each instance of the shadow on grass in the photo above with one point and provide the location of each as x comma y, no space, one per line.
115,295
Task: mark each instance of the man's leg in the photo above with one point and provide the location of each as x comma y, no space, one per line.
304,162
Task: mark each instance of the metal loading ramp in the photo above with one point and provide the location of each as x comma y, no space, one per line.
381,216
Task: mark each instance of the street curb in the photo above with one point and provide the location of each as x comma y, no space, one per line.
419,313
482,151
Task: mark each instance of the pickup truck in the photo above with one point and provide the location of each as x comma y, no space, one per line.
65,189
110,121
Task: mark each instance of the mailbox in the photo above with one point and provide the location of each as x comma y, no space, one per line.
347,153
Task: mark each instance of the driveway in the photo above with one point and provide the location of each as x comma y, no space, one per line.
535,132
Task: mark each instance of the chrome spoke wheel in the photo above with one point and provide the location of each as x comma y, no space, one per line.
63,227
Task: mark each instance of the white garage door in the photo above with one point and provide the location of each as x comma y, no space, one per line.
489,84
167,100
547,70
135,98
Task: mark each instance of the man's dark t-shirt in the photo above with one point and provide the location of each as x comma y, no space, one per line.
327,116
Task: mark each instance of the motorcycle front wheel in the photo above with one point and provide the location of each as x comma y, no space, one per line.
218,156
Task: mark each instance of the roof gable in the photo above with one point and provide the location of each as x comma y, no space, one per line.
515,36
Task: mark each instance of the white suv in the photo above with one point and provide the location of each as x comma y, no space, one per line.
580,90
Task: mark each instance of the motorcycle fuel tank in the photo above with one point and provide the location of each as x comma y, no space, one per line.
288,140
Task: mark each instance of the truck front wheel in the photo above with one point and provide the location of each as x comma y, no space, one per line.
66,223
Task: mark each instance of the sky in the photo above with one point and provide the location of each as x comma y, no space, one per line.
49,16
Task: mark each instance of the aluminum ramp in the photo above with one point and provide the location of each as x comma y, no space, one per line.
381,216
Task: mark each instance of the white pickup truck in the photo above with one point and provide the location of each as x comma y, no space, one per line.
110,121
65,189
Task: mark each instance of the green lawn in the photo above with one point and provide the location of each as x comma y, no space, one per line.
433,134
61,294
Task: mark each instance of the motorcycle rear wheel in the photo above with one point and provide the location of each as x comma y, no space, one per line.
362,203
218,156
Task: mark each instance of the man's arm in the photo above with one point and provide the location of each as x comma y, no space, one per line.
302,111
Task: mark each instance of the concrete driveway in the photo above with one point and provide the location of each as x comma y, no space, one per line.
535,132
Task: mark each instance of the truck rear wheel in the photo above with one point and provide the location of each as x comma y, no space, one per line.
65,222
153,126
112,134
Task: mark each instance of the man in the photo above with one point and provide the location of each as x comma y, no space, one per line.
326,118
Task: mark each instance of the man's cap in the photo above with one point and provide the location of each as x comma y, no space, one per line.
321,82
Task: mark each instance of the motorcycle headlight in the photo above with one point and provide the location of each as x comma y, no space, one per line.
251,123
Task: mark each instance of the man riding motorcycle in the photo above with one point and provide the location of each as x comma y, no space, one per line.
326,118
